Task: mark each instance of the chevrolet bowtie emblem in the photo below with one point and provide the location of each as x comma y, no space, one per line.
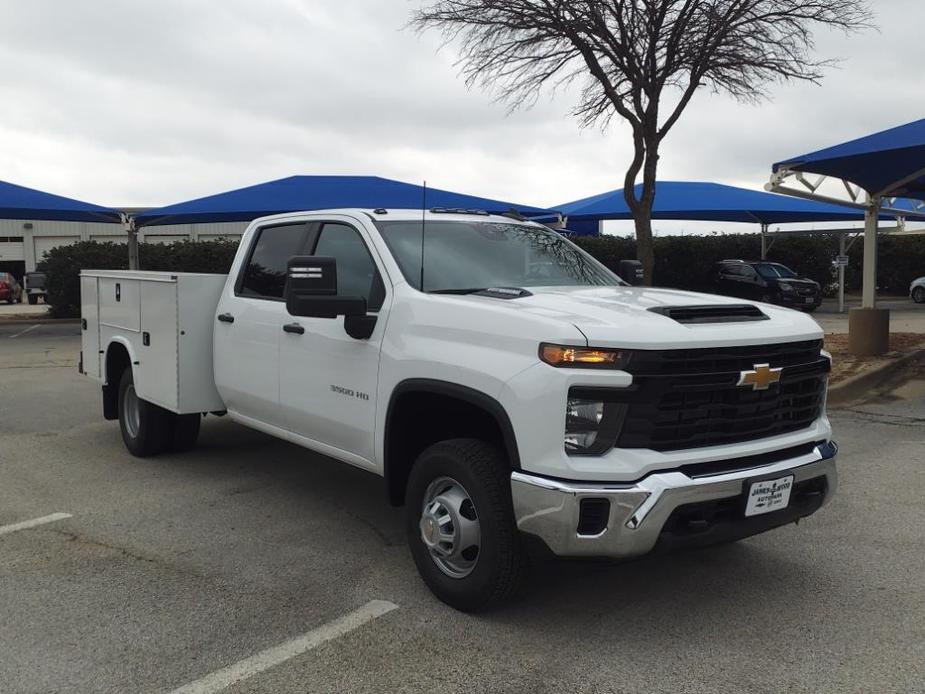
761,378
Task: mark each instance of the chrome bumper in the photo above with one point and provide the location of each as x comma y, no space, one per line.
550,509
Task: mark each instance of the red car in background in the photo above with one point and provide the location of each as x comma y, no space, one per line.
10,289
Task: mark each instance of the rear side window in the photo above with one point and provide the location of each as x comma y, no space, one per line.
264,275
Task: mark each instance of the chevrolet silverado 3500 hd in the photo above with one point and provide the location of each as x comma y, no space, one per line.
512,389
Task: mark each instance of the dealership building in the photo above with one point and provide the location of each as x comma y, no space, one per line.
23,242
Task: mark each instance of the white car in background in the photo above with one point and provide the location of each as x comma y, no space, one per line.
917,290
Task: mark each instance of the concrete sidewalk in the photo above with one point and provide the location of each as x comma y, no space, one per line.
23,310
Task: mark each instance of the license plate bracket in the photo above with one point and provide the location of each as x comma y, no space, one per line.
767,495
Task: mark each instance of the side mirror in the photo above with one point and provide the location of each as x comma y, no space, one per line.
311,290
631,272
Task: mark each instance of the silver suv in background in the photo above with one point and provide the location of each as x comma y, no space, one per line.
917,290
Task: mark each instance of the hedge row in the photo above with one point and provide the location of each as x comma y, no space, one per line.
684,262
63,264
681,262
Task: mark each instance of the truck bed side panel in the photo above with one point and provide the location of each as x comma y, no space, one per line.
198,299
156,377
90,335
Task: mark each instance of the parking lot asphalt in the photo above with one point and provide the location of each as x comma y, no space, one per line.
255,559
905,316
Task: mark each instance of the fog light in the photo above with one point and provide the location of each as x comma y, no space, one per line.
591,426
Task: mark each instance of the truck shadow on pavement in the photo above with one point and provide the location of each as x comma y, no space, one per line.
759,578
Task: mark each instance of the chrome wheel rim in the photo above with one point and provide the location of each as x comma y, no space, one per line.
450,528
131,410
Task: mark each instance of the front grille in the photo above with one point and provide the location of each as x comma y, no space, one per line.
691,398
677,362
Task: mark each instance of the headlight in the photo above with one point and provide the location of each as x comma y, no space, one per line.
583,357
591,425
784,287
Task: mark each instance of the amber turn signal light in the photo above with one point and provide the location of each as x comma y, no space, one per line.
567,355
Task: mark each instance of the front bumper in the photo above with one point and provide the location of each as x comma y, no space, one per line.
667,508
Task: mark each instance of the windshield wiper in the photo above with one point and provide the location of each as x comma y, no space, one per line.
492,292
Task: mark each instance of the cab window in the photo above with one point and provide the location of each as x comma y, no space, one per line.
264,274
356,272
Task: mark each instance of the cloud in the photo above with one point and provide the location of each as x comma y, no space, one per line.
126,102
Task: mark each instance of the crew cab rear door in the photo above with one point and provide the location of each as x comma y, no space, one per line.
328,380
249,323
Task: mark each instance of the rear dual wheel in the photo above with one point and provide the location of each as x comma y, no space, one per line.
148,429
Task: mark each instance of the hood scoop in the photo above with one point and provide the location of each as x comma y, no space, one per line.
716,313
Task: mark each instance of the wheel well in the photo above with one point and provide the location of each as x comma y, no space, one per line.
117,359
423,413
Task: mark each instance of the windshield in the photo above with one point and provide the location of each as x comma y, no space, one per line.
773,271
460,256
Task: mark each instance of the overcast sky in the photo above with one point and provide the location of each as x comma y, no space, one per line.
132,103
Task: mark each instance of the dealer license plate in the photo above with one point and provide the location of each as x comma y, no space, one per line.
809,300
768,496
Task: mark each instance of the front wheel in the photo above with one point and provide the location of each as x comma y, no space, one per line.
145,427
460,524
918,295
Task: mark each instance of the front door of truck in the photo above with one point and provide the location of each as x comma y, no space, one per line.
328,380
249,323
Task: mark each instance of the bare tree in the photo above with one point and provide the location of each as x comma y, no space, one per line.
630,55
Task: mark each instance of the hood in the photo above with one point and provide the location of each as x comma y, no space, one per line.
798,281
621,317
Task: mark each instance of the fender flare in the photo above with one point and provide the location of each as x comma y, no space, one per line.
453,390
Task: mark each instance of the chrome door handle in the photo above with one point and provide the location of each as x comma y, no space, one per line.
294,328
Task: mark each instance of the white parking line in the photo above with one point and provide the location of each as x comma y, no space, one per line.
23,332
220,679
4,529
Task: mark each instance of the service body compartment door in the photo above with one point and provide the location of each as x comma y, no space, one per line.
156,376
90,326
120,304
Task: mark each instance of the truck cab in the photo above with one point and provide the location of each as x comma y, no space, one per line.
512,392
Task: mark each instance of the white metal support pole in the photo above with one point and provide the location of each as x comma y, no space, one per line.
871,215
842,251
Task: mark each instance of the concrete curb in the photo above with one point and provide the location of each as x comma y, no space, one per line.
860,385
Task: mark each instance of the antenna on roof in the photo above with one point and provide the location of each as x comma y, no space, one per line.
423,226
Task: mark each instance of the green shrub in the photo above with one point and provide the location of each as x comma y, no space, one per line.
63,264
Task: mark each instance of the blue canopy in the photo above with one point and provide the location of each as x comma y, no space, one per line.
876,163
18,202
693,201
317,193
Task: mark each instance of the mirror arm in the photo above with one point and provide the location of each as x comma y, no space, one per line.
360,327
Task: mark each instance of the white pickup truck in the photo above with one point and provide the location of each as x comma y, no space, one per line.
510,389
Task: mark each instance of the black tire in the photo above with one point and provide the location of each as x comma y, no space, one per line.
918,295
33,299
501,562
151,433
185,431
